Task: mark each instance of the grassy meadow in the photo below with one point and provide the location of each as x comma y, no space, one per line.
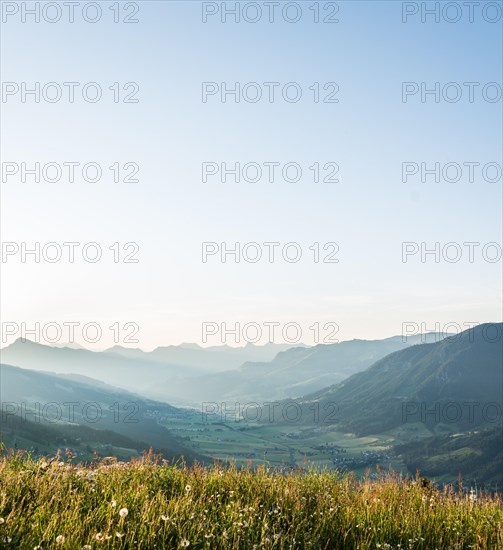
150,503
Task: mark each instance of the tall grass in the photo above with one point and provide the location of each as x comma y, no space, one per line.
148,503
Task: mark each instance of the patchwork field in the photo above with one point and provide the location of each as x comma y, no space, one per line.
285,444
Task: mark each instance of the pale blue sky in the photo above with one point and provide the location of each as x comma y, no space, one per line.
170,132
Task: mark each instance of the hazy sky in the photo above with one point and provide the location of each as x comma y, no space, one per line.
170,132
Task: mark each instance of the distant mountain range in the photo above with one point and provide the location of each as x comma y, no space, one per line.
208,359
134,369
188,375
292,373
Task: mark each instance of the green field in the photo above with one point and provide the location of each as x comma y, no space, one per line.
286,444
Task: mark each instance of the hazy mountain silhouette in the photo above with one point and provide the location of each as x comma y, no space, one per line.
291,373
130,368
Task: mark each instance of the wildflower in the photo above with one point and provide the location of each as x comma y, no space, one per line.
188,488
119,535
60,539
6,539
87,547
164,517
99,537
184,543
2,521
113,504
123,512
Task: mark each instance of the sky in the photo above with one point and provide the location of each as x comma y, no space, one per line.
165,61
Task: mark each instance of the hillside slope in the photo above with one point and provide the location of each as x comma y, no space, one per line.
456,383
61,402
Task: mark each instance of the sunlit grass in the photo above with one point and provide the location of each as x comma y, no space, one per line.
149,503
